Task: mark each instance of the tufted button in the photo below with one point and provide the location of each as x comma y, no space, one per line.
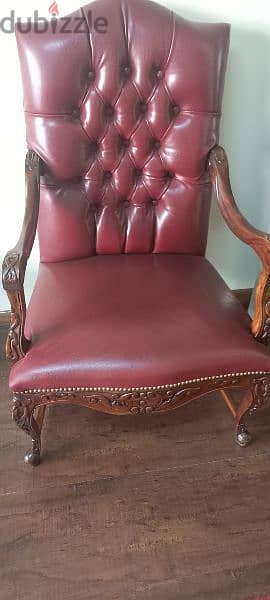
175,109
127,70
76,113
107,175
168,175
108,110
159,73
125,142
138,173
142,107
156,144
95,147
91,75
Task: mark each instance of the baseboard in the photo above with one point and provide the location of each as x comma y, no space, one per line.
243,296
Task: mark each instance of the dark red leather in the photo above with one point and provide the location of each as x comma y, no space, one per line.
124,122
134,321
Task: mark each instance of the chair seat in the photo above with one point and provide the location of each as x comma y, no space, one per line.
132,321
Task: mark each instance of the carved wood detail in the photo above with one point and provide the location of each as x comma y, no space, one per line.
15,261
258,240
141,402
23,415
256,397
261,392
261,322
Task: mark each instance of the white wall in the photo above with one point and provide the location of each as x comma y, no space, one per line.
245,129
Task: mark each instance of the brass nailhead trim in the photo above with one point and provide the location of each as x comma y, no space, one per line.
140,389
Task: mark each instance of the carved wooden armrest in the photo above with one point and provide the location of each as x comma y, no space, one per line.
15,261
258,240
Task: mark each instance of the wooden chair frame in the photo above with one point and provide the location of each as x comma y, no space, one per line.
145,400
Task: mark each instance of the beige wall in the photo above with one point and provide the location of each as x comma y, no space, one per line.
245,131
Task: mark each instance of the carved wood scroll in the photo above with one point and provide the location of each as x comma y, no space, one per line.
258,240
15,261
142,401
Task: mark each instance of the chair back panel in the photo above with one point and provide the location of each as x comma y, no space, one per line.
123,113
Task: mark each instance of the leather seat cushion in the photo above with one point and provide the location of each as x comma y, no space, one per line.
132,321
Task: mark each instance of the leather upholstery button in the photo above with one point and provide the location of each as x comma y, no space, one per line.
107,175
142,107
138,173
76,113
175,109
127,70
108,110
156,144
125,143
168,175
159,73
91,75
94,147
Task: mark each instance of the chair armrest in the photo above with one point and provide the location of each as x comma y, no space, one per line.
15,261
258,240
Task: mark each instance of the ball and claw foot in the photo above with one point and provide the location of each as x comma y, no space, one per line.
243,437
32,457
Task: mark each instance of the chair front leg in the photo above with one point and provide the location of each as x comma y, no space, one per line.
256,397
242,435
23,416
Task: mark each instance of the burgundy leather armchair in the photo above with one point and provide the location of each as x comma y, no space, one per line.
127,315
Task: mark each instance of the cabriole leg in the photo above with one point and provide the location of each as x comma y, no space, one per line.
32,457
256,397
23,415
242,435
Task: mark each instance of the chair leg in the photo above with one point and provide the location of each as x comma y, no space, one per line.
32,457
242,435
228,401
40,414
23,415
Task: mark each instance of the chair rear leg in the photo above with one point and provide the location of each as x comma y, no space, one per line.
227,399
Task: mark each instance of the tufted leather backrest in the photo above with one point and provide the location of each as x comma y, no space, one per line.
124,121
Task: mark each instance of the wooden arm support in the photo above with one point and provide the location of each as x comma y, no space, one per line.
258,240
15,261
